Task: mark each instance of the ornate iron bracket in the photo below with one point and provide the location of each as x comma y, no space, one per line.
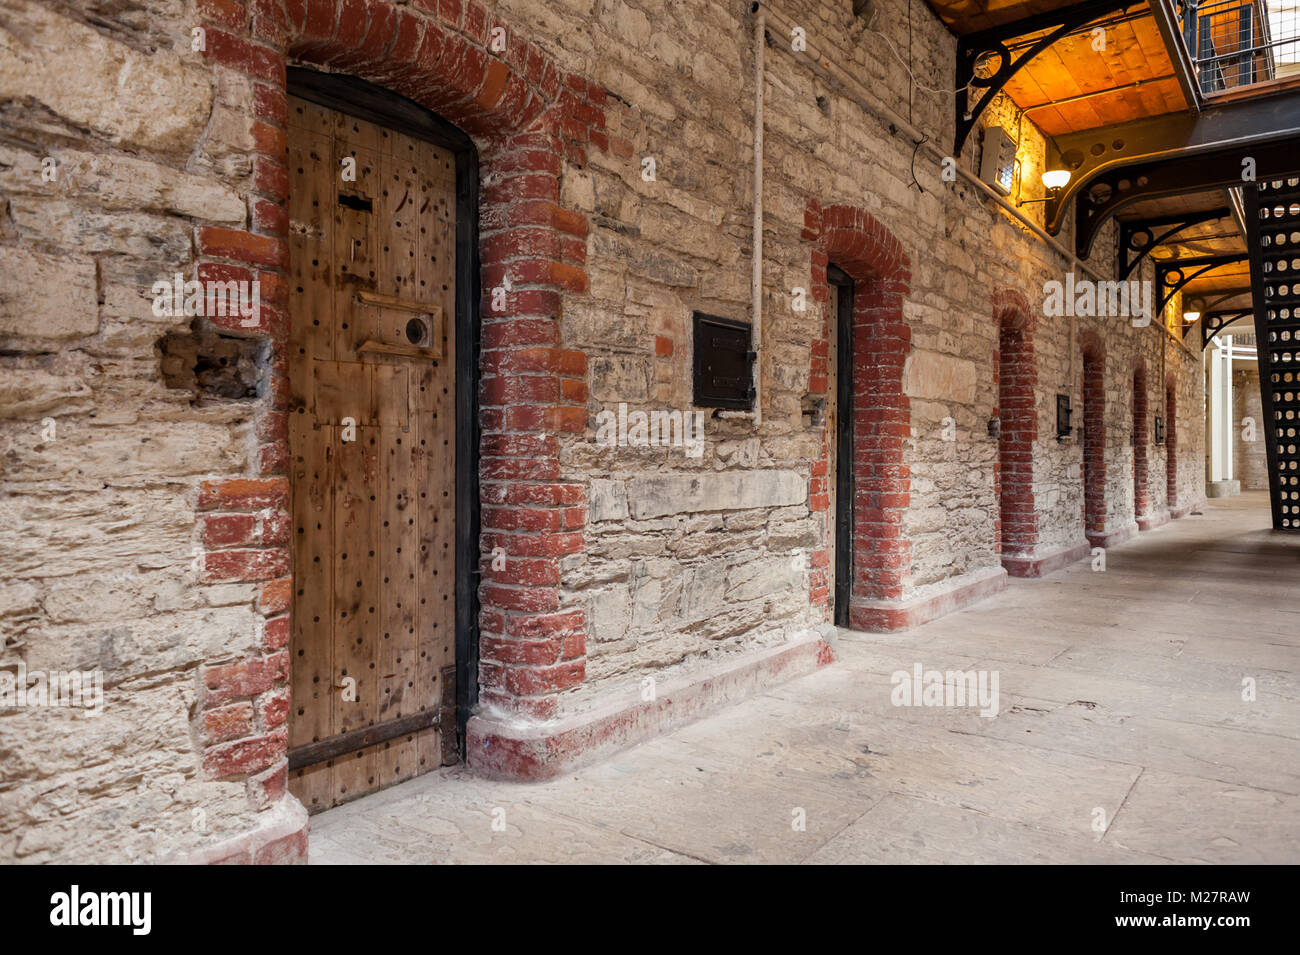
1111,190
1170,154
1183,271
975,47
1214,322
1132,251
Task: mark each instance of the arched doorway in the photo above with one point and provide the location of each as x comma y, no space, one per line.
529,116
1018,430
871,560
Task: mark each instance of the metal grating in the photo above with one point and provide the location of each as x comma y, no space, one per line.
1239,43
1273,226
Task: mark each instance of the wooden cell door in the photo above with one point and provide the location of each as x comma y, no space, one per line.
372,455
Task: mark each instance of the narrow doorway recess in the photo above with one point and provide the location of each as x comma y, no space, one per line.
839,437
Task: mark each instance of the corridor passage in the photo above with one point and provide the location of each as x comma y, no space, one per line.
1121,736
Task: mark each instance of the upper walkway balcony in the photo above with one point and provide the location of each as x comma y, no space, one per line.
1242,47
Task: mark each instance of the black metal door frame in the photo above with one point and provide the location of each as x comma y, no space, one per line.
843,438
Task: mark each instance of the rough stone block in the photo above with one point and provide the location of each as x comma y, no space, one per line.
55,300
657,495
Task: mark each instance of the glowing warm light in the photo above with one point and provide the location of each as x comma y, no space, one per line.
1055,178
1190,317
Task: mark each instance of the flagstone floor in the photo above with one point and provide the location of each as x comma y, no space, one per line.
1122,736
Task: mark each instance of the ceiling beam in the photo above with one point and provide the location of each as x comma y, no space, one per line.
1132,252
1184,271
1171,154
1080,97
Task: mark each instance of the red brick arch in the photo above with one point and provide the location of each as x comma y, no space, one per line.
1016,377
527,117
875,260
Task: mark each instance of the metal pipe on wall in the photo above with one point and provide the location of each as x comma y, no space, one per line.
756,258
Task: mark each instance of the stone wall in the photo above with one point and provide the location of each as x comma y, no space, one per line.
143,530
109,154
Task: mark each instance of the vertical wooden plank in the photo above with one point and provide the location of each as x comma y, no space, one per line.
398,535
357,595
311,310
357,241
356,600
311,644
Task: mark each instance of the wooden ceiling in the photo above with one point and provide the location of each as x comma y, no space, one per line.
1070,86
1214,237
970,16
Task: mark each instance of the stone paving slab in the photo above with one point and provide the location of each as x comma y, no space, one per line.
1190,819
467,821
1168,745
1121,736
902,830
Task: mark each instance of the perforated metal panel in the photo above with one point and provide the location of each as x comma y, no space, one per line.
1273,220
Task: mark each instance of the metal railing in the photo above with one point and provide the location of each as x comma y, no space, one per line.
1238,43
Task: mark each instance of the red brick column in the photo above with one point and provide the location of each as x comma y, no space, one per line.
1141,489
532,391
244,703
1017,382
1094,443
528,116
874,259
